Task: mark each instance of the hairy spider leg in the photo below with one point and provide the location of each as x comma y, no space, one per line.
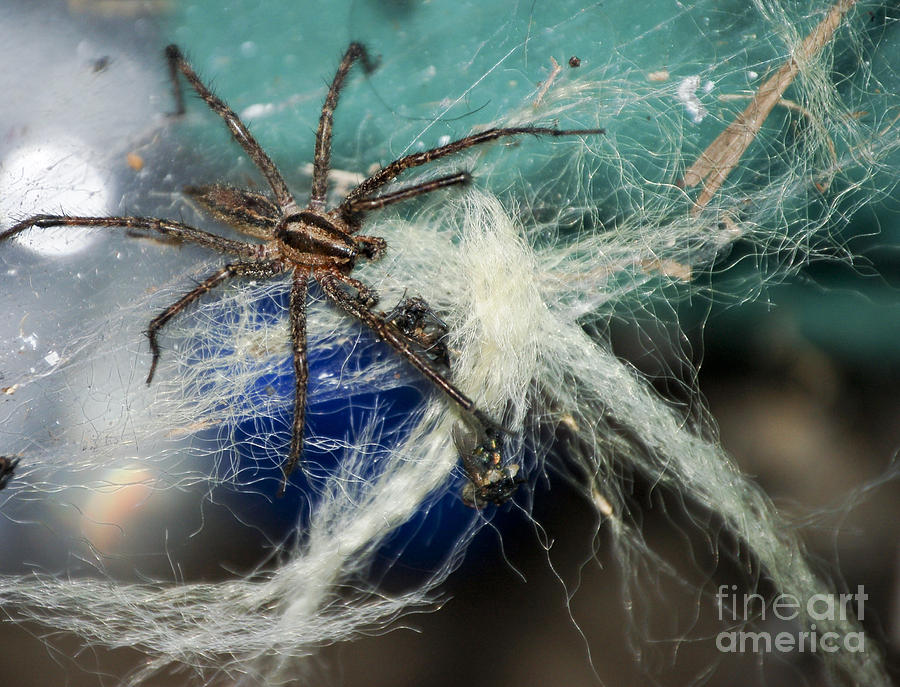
363,205
261,270
177,63
386,174
176,230
252,266
322,157
299,290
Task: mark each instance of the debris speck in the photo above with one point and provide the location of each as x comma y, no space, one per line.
257,110
687,94
135,161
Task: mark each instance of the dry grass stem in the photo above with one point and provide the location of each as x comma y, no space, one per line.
717,161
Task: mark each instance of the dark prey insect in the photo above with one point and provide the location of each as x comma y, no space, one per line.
417,321
314,242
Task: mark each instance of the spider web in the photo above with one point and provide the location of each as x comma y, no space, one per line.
557,240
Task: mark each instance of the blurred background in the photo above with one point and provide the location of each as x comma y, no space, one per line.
800,371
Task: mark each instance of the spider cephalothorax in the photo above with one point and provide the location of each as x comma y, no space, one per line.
316,243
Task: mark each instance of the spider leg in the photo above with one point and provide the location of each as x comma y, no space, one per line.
388,332
176,230
322,159
385,174
254,269
299,291
177,63
363,205
365,295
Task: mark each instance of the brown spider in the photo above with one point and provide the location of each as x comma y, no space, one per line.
313,242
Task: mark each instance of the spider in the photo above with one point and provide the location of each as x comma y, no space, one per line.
313,242
7,468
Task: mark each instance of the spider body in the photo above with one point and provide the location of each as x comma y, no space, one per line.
313,242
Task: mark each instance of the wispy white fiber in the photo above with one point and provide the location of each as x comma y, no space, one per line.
555,239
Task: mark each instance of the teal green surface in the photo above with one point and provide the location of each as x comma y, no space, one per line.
446,67
464,63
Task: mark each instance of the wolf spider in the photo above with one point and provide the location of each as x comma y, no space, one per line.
314,242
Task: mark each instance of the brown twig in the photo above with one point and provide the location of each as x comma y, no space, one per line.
717,161
796,107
